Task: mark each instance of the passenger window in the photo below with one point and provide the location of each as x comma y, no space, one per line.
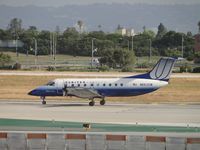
85,85
72,85
115,84
78,85
110,84
92,84
121,84
104,84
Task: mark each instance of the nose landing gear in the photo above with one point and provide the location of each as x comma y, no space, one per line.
43,100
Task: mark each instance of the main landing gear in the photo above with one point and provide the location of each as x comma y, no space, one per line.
102,102
43,100
92,102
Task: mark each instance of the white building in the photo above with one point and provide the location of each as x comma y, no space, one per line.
125,32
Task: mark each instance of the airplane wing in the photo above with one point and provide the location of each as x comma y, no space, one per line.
82,93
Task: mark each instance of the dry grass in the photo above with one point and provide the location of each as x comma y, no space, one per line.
179,90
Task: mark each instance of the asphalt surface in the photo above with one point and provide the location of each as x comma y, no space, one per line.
117,113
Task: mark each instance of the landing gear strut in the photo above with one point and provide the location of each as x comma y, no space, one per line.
102,102
43,100
92,102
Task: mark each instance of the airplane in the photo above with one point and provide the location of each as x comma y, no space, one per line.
92,88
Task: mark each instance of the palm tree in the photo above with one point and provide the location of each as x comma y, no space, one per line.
80,24
199,26
99,26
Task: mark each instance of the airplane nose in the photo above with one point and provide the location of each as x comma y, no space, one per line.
31,92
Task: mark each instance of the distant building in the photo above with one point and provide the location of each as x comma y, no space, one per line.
125,32
197,43
11,43
130,32
121,31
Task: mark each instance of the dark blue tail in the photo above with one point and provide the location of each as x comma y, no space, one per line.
161,71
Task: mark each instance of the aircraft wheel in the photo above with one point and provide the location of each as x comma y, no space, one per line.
44,102
102,102
92,103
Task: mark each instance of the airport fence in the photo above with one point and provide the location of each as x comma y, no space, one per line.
94,141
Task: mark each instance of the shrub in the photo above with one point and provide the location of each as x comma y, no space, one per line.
143,65
17,66
196,70
190,57
51,68
185,68
127,69
104,68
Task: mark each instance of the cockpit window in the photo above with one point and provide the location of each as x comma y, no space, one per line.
51,83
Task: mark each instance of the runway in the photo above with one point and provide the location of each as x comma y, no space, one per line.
118,113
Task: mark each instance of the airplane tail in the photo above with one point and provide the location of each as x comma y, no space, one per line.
161,71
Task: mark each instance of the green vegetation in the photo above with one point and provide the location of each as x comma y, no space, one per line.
95,127
114,50
4,59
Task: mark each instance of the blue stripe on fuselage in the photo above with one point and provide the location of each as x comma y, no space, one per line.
124,92
54,91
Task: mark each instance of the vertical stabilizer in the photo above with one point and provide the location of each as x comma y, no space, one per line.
161,71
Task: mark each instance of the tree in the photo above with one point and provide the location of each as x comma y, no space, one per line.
118,58
80,24
197,58
15,27
99,26
199,26
162,30
144,28
57,30
4,59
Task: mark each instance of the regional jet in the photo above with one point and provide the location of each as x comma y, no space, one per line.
109,87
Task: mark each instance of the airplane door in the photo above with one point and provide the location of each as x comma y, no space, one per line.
60,87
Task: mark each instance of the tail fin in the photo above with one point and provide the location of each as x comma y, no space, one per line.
161,71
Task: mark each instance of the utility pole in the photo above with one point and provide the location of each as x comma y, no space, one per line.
16,48
128,44
36,51
92,52
132,43
50,45
182,40
53,44
150,52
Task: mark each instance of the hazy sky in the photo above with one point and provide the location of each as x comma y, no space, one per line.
65,2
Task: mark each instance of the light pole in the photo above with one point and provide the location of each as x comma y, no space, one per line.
182,40
16,47
92,52
36,51
132,43
150,52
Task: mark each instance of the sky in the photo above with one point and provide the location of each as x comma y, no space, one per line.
57,3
